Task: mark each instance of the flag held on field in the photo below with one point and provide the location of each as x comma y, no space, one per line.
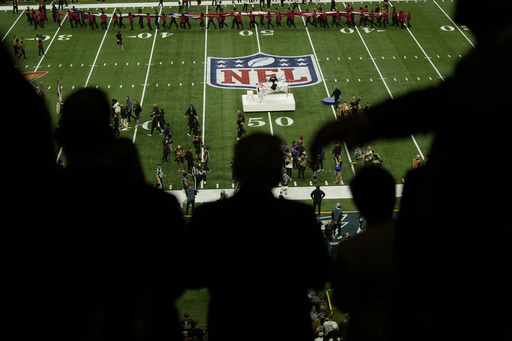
59,96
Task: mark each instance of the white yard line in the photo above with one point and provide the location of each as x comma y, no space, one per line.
205,68
259,50
147,76
10,28
454,24
205,75
422,50
49,45
326,89
385,84
374,63
92,66
99,50
426,56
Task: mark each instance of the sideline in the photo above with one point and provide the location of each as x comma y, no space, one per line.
147,76
294,193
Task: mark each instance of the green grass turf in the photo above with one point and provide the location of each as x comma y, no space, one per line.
175,79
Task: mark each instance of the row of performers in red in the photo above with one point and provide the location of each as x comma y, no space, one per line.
366,18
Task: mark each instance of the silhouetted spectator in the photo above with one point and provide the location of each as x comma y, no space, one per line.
364,263
374,193
28,175
117,279
247,257
447,254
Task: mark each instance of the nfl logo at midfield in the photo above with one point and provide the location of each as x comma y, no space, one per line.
246,72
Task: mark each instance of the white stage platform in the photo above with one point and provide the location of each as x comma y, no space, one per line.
271,102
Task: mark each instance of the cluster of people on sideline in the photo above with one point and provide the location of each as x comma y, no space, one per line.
379,16
297,163
324,326
190,329
295,157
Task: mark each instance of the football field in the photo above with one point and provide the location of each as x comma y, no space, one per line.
211,70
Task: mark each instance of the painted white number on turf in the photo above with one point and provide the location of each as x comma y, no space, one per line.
267,32
449,28
144,35
256,122
166,34
145,125
284,121
351,30
280,121
64,37
245,33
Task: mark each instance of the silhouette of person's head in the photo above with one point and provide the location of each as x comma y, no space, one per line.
85,131
126,161
373,191
466,13
257,161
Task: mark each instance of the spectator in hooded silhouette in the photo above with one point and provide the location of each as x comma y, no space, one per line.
118,280
255,249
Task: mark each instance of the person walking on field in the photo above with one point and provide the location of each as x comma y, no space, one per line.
119,40
159,176
40,45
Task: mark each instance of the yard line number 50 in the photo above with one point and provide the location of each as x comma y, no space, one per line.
280,121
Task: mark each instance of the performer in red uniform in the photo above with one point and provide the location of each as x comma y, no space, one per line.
103,17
